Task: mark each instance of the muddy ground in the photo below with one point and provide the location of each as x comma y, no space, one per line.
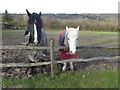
17,56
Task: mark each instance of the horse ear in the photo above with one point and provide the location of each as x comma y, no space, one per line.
67,28
28,13
40,14
78,28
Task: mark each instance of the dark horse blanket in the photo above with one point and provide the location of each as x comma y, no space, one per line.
64,54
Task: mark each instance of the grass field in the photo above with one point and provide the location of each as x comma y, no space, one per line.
58,31
70,79
77,79
88,38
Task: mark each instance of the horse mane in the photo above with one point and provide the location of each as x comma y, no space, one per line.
38,18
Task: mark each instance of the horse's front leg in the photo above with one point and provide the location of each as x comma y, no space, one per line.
71,66
64,66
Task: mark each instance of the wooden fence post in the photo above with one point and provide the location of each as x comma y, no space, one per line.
52,56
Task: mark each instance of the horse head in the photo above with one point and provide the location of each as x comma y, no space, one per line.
33,27
71,39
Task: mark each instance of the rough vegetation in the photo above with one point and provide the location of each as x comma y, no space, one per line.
87,22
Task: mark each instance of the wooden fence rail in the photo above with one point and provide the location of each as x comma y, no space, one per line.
56,62
56,47
90,59
51,47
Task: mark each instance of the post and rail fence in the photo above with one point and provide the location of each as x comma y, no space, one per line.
51,47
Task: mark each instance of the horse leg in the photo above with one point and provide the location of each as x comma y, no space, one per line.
32,54
71,66
44,52
44,43
45,55
64,66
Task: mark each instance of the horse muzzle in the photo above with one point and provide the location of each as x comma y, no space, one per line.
36,43
72,53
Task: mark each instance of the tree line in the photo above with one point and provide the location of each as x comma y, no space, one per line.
87,22
13,21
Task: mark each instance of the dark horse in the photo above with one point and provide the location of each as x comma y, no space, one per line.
37,36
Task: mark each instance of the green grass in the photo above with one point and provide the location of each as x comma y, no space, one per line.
86,38
85,32
11,31
98,33
58,31
70,79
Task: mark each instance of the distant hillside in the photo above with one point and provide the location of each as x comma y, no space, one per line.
74,16
89,16
92,22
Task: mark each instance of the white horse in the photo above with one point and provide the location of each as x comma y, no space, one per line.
69,38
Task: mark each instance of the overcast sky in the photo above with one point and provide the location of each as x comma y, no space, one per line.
60,6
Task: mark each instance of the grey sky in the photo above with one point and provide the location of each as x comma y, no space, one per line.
60,6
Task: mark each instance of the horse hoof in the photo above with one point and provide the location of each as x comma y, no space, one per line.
72,69
64,69
34,61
